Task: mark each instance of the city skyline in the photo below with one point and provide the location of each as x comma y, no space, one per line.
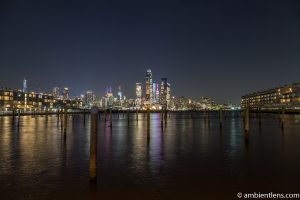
151,91
221,50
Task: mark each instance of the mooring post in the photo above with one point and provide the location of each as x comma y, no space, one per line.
137,115
57,116
148,119
61,119
259,117
166,115
220,118
246,122
65,123
161,118
282,118
128,117
110,117
84,117
93,144
19,117
208,117
105,112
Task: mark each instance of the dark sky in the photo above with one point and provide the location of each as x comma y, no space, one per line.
220,49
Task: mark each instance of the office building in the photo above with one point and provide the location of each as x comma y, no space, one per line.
149,93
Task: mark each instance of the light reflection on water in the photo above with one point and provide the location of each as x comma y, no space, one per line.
189,157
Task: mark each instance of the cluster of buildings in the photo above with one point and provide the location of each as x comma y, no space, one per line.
152,94
157,96
287,96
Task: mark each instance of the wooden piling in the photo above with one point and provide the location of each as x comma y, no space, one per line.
148,119
61,119
220,118
93,144
282,118
165,116
110,117
208,116
84,117
19,113
65,123
259,117
128,117
161,118
246,122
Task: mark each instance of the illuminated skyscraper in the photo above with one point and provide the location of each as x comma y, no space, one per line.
138,91
157,92
24,85
89,99
109,96
120,93
109,92
165,93
66,93
149,94
55,92
154,94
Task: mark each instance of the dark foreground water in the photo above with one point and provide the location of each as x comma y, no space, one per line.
188,159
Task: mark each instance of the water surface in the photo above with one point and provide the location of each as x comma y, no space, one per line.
189,158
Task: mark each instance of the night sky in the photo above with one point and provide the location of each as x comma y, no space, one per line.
205,48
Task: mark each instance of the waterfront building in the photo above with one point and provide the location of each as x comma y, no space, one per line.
285,96
26,101
6,98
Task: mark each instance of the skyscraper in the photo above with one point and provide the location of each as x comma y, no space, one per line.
157,92
24,85
66,93
119,93
165,93
138,91
154,97
149,94
55,92
89,99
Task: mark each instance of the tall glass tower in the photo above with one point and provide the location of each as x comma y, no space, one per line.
165,94
149,93
24,85
138,91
